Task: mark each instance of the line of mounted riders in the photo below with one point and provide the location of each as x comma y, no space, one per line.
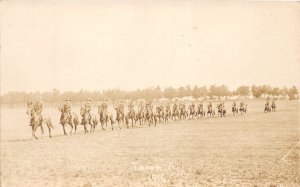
145,114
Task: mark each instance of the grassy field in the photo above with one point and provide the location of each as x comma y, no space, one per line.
255,149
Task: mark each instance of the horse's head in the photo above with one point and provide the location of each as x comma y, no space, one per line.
30,109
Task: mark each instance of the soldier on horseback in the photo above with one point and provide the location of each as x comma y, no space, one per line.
88,108
148,106
162,107
242,104
209,106
234,104
38,107
121,107
130,107
141,107
66,109
175,106
104,105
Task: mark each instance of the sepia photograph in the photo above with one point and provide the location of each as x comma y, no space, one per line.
132,93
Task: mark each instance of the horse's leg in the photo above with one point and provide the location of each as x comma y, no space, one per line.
84,126
91,128
64,129
49,125
71,128
34,129
42,131
75,125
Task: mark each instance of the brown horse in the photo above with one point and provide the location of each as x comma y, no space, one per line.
66,119
92,120
104,117
37,121
120,118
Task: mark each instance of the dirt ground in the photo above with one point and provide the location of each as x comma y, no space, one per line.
253,150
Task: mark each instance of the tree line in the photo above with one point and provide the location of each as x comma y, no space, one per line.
55,96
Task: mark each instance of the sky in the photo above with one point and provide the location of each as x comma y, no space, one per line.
96,45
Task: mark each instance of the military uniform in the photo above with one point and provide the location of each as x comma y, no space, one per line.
141,107
38,107
88,108
121,108
148,106
234,104
104,106
175,106
67,107
209,106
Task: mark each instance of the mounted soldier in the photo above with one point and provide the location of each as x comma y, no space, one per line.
38,107
209,106
66,108
149,106
88,108
104,105
141,107
120,107
130,106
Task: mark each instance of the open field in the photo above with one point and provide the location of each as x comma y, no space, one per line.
255,149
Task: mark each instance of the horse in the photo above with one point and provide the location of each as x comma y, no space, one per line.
130,116
140,117
92,120
120,118
168,114
192,111
243,109
273,107
221,111
104,117
210,112
160,114
150,117
37,120
182,114
200,112
175,114
234,110
267,108
66,119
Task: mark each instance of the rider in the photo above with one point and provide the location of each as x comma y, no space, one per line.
148,106
168,107
193,105
162,107
175,106
201,105
88,108
130,106
141,107
273,103
67,107
242,104
121,107
209,106
234,104
38,107
104,105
